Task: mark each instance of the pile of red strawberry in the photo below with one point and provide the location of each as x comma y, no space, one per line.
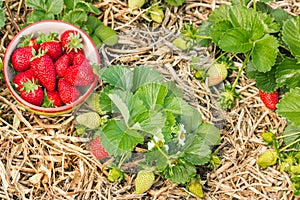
51,71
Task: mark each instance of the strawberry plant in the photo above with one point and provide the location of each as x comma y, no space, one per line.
267,41
2,15
76,12
139,108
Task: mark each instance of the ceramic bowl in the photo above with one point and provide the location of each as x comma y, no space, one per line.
47,26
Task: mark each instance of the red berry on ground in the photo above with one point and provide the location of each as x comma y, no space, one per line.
21,57
67,92
97,149
269,99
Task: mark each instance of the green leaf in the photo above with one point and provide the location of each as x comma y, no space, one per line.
104,100
176,105
221,13
191,119
280,16
270,26
117,76
288,73
37,15
151,122
290,135
219,29
37,4
180,173
175,2
247,19
209,134
70,4
173,90
267,46
291,35
122,107
152,95
236,40
77,17
117,139
196,150
289,106
266,81
92,23
2,18
204,30
155,158
88,7
54,6
143,75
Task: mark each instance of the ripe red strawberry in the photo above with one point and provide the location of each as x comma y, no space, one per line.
73,53
51,45
269,99
62,64
67,92
44,70
32,93
52,99
80,75
79,58
21,57
29,40
71,41
23,77
97,149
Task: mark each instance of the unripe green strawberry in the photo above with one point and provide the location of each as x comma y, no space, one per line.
267,137
268,158
93,102
180,43
115,174
157,14
196,188
144,180
217,73
91,120
135,4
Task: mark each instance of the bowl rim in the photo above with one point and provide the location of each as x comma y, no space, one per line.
43,110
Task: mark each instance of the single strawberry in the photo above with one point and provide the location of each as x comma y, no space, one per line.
44,70
67,92
62,64
73,53
71,41
144,180
21,57
29,40
32,93
269,99
97,149
79,58
80,75
52,99
23,77
51,45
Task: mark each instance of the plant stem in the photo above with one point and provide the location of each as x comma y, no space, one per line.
163,153
240,71
287,146
288,135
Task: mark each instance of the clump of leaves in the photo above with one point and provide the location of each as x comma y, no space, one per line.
76,12
149,112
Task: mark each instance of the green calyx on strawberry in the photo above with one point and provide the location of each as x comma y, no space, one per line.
32,93
44,69
51,44
71,41
29,40
97,149
270,100
23,77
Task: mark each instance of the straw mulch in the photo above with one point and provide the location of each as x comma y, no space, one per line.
42,158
